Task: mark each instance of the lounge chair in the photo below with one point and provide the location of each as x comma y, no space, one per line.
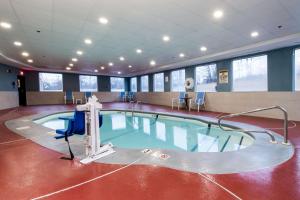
123,96
199,100
131,96
179,100
69,97
87,95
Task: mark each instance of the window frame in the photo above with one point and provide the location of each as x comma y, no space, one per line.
195,78
113,90
296,50
93,90
147,90
62,82
171,81
163,82
135,84
249,57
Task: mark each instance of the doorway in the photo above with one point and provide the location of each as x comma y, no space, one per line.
22,90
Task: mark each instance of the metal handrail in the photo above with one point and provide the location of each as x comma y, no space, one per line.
285,124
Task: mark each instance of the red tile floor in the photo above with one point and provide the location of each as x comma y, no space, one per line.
28,170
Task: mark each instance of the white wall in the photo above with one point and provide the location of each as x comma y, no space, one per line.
8,99
232,102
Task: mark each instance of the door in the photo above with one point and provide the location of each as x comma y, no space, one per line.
21,90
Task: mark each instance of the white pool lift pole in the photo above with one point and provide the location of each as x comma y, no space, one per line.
93,147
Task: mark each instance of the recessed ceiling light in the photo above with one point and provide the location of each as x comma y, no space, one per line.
111,64
181,55
79,52
254,34
74,59
203,48
122,58
129,66
71,64
96,70
17,43
119,72
103,20
102,68
25,54
88,41
68,68
152,63
166,38
5,25
218,14
139,51
30,60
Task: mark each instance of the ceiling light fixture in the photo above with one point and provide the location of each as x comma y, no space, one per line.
254,34
122,58
30,60
71,64
79,52
17,43
88,41
166,38
25,54
119,72
103,20
129,66
181,55
74,59
102,68
139,51
110,64
218,14
68,68
96,70
152,63
203,48
5,25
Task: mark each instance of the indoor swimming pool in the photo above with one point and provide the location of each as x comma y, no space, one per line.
140,130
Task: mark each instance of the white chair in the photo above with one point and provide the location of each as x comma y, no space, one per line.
199,100
69,97
179,100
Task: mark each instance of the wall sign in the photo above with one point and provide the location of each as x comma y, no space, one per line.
223,76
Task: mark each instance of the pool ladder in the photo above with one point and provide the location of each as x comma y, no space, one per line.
285,124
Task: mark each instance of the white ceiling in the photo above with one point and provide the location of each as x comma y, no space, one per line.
64,24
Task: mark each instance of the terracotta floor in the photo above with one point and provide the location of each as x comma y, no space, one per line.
28,170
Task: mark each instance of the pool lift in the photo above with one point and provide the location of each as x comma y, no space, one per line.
93,148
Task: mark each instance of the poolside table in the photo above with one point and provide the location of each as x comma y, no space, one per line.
186,101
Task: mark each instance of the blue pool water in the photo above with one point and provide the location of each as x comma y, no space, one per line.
139,131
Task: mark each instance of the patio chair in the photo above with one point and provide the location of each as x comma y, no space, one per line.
179,100
69,97
123,96
199,100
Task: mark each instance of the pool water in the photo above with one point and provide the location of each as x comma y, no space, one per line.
139,131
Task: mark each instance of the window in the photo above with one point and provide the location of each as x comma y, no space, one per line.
297,69
88,83
158,82
50,82
117,84
133,84
206,78
177,81
144,84
250,74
